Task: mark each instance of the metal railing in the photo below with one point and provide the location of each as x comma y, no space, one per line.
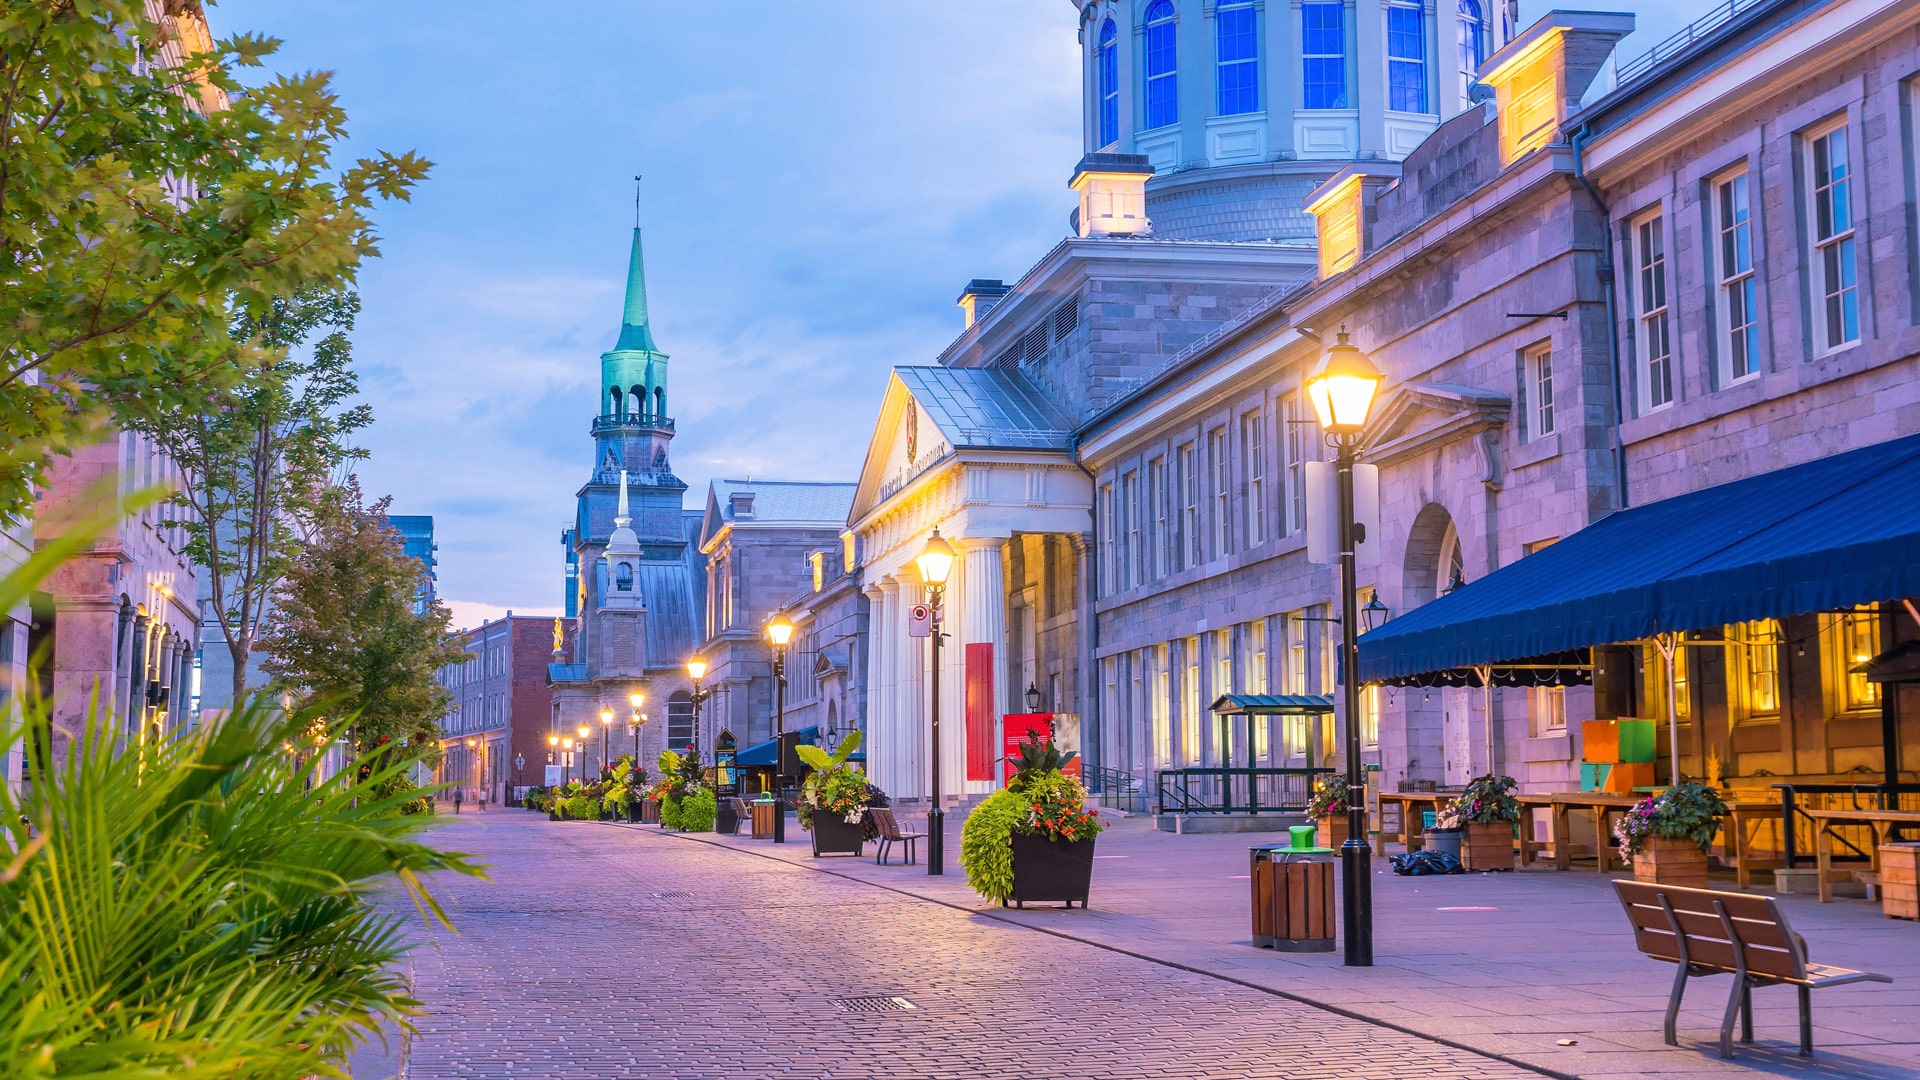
1797,799
1695,31
606,421
1234,791
1118,790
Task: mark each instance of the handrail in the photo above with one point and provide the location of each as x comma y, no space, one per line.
1791,813
1231,790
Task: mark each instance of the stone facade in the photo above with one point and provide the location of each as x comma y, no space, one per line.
502,705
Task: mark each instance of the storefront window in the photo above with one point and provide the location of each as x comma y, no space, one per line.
1754,667
1857,640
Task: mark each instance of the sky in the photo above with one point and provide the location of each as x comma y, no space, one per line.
821,179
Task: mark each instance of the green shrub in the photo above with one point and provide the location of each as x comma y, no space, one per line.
1683,812
1488,800
697,811
986,843
578,808
670,813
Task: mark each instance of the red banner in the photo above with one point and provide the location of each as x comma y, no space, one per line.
980,711
1015,727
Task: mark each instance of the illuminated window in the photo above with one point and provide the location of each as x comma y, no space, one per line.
1733,265
1548,709
1754,664
1293,678
1472,35
1159,698
1836,302
1254,638
1370,715
1109,75
1323,55
1253,466
1238,73
1222,664
1163,95
1654,677
1856,641
1406,58
1190,703
1650,304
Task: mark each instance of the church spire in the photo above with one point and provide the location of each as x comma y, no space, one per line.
635,334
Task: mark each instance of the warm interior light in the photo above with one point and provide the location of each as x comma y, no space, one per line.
935,560
697,668
780,630
1342,387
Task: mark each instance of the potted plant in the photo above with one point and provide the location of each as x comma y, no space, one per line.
686,803
1448,830
1033,841
1490,812
1667,835
834,799
1328,809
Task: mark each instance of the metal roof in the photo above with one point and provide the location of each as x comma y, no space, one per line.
1273,705
988,408
787,500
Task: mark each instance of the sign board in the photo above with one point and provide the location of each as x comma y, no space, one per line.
919,621
556,775
1323,512
1063,728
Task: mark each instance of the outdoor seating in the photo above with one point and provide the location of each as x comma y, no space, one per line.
1707,932
742,814
890,834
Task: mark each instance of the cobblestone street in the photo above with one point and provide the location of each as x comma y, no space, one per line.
601,952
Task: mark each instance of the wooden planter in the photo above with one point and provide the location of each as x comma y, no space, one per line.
1051,871
833,836
1671,862
1487,847
1331,831
650,811
1899,869
635,810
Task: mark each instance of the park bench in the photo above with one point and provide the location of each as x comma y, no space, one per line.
890,834
1719,933
742,815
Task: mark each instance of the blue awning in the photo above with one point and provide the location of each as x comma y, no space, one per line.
761,755
1822,536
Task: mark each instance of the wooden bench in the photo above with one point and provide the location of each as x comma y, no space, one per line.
1720,933
890,834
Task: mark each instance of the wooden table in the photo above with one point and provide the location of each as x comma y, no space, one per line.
1743,821
1411,827
1884,824
1561,807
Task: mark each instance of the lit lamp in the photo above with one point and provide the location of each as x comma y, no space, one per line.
553,744
567,746
935,562
472,762
606,726
779,632
583,731
1342,388
697,670
636,699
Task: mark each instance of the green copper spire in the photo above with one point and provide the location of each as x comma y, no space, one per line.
633,374
635,335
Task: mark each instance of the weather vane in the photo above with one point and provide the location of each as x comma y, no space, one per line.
636,200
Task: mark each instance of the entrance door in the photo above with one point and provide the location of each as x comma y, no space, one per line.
1456,735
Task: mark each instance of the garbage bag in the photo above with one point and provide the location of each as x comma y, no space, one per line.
1419,863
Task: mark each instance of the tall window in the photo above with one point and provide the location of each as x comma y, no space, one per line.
1293,439
1370,715
1130,529
1163,95
1856,641
1154,557
1293,678
1256,680
1739,313
1538,365
1222,664
1109,76
1548,709
1755,663
1159,705
1471,28
680,721
1406,58
1656,349
1186,525
1323,56
1253,466
1221,491
1110,565
1836,303
1190,702
1238,74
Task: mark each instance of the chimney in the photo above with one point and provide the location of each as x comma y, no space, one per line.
1113,194
741,502
1539,77
979,297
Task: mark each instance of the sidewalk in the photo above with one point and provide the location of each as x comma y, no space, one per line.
1508,964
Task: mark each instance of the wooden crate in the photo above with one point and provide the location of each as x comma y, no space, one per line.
1627,775
1899,879
1487,847
1331,831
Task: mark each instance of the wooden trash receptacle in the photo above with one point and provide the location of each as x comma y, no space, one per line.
763,819
1899,869
1260,877
1303,912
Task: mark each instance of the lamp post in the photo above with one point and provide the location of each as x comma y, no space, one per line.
553,749
779,631
1033,698
697,670
519,763
606,728
474,767
935,562
566,745
583,731
636,699
1342,388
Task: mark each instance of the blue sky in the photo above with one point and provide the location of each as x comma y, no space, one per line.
821,179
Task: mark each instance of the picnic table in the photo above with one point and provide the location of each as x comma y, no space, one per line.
1411,827
1561,807
1884,824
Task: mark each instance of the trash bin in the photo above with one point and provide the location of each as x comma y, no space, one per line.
1293,894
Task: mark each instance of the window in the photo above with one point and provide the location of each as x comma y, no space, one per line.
1163,95
1153,552
1733,259
1653,674
1238,74
1323,56
1256,638
1406,58
1538,364
1222,490
1222,664
1548,706
1253,466
1188,484
1656,351
1108,67
1755,663
1471,29
1130,530
1110,571
1190,702
1293,436
1856,641
680,721
623,577
1160,696
1836,303
1293,677
1370,715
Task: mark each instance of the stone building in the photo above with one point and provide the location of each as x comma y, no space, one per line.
765,543
632,550
502,709
828,686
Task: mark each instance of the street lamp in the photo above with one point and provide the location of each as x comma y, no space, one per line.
697,670
553,747
567,746
1033,698
636,699
473,763
779,631
936,562
1342,388
583,731
519,763
606,726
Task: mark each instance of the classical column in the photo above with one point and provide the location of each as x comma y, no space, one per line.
881,736
910,688
983,621
1091,722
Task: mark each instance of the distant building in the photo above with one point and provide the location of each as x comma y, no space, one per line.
416,540
495,734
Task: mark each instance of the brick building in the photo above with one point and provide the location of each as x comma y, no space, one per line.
501,705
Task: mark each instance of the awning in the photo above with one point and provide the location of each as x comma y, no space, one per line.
1823,536
1273,705
763,756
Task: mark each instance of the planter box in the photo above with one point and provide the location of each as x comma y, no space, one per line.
833,836
1331,831
553,815
1487,847
650,811
1051,871
634,811
1671,862
1899,871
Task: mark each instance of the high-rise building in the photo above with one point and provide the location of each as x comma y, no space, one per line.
416,540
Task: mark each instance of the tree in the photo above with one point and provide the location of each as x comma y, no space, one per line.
255,464
343,634
145,204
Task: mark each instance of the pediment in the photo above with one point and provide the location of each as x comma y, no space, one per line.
906,441
1419,418
829,663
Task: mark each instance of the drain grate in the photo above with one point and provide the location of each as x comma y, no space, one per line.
676,895
871,1004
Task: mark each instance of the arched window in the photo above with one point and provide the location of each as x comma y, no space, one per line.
1406,57
1108,74
1472,28
616,400
1163,95
1323,55
659,401
1238,71
623,577
637,401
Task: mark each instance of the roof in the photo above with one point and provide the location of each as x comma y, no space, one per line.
788,500
1825,535
987,408
1273,705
